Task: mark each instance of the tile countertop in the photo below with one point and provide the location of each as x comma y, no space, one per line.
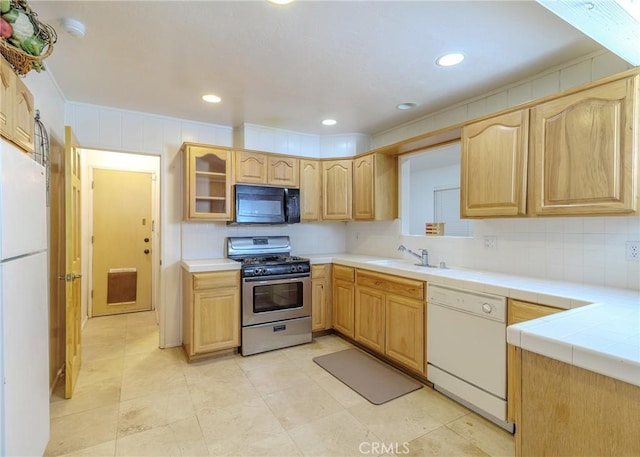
600,331
207,265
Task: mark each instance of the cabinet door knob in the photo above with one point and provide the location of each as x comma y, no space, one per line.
146,251
146,240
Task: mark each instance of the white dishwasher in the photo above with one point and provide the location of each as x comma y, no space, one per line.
467,349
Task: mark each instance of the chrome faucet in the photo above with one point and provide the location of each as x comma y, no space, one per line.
423,257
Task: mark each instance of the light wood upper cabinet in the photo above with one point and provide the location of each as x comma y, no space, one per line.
320,297
270,169
283,171
585,151
23,132
494,166
375,187
16,109
310,189
7,95
211,312
337,182
250,167
207,183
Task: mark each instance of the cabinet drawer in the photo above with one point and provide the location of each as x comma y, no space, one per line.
216,280
344,273
396,285
520,311
320,271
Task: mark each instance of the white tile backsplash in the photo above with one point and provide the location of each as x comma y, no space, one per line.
553,248
207,240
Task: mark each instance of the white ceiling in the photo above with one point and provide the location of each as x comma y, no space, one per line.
292,66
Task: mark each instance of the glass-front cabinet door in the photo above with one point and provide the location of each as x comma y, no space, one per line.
208,182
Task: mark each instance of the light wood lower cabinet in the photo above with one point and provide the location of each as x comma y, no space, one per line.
320,297
405,340
390,317
210,312
519,311
343,299
570,411
369,318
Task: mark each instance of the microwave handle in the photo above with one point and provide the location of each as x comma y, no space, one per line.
292,205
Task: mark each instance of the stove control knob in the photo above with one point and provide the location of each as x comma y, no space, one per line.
293,268
300,267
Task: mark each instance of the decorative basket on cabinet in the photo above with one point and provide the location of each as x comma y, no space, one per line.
25,41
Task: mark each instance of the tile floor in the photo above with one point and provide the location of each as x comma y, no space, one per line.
133,399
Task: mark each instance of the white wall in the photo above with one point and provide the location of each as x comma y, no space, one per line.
260,138
421,194
111,129
117,130
589,68
49,100
581,249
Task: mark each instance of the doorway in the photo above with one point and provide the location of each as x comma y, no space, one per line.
116,165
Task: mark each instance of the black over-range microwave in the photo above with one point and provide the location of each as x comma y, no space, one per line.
266,205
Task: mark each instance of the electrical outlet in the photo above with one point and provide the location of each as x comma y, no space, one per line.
633,251
490,242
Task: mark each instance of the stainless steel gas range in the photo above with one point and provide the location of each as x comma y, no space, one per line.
276,293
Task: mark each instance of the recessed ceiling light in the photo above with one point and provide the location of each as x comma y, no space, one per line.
329,122
211,98
280,2
449,60
405,106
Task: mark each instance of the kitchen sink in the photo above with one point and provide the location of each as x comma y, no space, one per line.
398,263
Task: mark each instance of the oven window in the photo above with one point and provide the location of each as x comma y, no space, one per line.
275,297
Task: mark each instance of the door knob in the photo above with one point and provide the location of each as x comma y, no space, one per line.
146,240
146,251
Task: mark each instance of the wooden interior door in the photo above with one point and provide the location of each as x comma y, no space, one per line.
57,266
122,240
72,275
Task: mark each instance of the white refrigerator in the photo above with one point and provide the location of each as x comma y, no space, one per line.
24,310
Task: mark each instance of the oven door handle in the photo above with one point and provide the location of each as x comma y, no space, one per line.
278,277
